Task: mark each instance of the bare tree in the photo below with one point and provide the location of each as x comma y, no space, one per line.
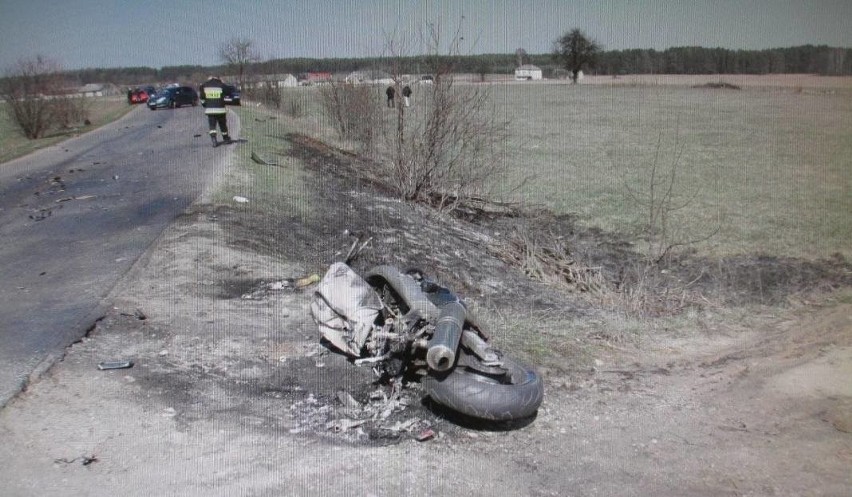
576,51
30,91
239,54
521,57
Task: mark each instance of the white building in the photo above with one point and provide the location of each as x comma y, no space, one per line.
528,72
372,76
273,80
91,90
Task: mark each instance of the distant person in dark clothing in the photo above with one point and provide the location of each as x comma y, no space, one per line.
212,93
406,95
390,92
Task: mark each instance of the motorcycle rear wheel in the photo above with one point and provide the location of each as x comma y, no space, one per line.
515,395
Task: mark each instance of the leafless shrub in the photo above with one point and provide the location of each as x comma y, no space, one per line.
268,94
445,153
353,111
30,91
547,258
294,106
447,157
70,110
660,201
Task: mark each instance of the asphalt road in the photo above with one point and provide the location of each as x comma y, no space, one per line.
76,216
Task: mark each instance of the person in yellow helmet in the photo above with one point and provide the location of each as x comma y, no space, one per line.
212,93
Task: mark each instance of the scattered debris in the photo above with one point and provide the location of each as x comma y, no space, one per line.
81,197
138,314
342,425
424,435
196,135
115,365
280,285
260,160
240,200
355,250
348,400
41,215
264,289
307,281
84,460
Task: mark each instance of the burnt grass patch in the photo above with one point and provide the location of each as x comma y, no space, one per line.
463,250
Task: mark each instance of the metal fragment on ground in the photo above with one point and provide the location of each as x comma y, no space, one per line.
347,400
424,435
342,425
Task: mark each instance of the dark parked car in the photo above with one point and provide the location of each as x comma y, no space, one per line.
174,96
232,95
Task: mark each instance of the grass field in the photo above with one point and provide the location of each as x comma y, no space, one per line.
768,169
14,144
772,170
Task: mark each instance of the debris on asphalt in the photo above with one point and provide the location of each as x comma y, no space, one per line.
41,215
138,314
240,200
81,197
258,159
115,365
84,460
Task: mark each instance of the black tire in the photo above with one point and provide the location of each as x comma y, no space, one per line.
469,392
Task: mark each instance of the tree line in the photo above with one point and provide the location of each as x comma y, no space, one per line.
809,59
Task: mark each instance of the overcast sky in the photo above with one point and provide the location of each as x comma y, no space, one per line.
156,33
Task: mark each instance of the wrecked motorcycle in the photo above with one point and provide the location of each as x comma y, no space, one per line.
410,328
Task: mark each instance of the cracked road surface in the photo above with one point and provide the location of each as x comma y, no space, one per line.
76,216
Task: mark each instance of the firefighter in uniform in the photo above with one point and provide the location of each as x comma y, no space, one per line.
212,94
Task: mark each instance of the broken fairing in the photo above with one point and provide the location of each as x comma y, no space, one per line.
345,307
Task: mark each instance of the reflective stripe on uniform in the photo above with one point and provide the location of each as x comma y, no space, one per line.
215,110
213,93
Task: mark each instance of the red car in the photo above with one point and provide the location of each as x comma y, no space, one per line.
137,96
